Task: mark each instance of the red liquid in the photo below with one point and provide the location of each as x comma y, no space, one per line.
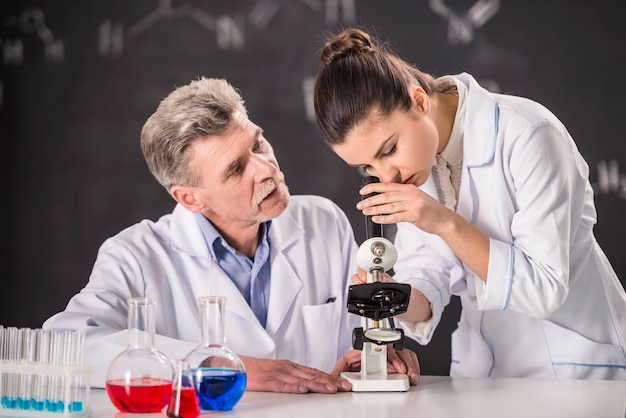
141,395
188,405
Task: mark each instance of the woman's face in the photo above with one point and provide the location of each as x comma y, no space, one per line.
399,148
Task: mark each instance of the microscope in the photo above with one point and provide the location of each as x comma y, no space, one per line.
377,302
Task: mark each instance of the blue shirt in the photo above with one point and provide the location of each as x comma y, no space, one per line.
251,276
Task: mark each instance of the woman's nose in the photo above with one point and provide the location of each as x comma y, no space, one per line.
387,175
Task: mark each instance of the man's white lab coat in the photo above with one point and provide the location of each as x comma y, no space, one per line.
312,259
552,306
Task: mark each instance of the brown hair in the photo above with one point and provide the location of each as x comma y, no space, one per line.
360,75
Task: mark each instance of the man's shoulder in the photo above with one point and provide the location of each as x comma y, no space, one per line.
312,203
310,199
312,208
143,231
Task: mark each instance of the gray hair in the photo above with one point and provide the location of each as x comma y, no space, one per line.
190,113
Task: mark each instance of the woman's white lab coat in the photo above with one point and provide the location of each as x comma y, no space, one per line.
552,306
312,258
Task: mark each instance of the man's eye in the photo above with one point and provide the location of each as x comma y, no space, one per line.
260,147
234,170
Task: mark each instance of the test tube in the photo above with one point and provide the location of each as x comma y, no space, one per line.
41,379
78,344
54,402
3,358
14,350
24,398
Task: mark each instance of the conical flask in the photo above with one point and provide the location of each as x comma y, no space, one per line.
139,379
184,402
218,374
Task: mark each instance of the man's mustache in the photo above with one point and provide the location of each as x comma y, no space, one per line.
269,188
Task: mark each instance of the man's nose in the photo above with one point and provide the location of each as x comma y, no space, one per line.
264,165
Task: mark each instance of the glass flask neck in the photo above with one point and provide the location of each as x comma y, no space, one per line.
141,322
212,320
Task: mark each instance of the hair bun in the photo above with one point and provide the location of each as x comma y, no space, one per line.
349,42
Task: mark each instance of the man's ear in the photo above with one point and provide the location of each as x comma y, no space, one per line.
185,195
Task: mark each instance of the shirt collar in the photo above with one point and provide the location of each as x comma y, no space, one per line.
453,152
213,238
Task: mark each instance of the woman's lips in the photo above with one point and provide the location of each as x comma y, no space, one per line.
409,180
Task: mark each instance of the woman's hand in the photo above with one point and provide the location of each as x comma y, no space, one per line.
401,361
396,202
361,278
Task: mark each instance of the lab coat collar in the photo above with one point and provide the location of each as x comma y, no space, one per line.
481,124
186,235
286,277
479,143
479,140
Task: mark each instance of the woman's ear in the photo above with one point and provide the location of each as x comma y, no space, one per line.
185,196
419,98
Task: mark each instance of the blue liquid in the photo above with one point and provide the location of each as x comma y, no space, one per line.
23,403
54,406
38,405
218,389
76,406
9,402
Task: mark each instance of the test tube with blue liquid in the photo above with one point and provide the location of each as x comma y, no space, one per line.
41,372
29,346
41,379
78,342
13,346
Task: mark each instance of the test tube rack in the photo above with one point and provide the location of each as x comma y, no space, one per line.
73,401
42,373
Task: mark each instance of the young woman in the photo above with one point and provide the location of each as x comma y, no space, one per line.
492,202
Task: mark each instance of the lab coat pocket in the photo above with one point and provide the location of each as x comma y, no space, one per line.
321,329
470,355
576,357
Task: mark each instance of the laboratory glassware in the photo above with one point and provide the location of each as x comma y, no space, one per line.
41,372
139,379
219,375
184,401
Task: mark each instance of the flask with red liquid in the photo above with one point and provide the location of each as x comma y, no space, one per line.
139,379
184,402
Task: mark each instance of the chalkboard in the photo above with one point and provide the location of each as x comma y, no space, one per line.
78,79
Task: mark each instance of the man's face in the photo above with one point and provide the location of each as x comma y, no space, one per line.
240,181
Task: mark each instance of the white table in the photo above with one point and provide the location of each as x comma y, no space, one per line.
433,397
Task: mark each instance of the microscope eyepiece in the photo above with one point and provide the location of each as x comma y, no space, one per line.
371,229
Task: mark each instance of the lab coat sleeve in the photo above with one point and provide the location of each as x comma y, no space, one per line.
100,310
349,321
530,274
426,272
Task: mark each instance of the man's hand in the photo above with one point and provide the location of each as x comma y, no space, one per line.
401,361
266,375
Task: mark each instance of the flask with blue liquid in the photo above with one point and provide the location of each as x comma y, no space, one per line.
218,374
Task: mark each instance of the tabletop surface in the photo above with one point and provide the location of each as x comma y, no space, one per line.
433,397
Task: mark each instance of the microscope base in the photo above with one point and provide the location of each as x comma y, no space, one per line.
393,382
